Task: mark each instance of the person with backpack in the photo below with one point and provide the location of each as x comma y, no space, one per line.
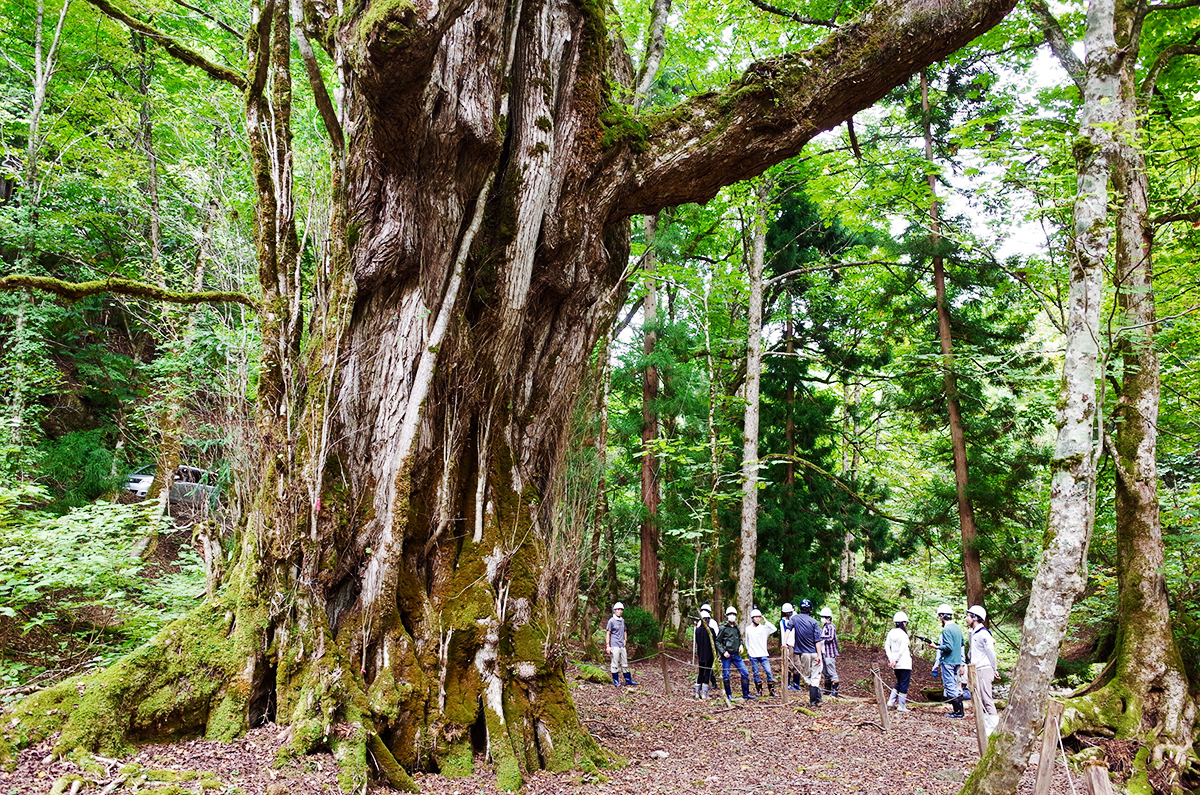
729,646
829,652
982,650
899,660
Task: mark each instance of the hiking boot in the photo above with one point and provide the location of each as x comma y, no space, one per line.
629,680
771,689
616,680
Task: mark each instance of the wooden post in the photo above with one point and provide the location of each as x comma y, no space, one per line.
977,708
1095,776
785,675
1045,771
662,656
881,701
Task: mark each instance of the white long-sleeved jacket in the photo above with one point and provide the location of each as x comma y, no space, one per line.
756,638
896,647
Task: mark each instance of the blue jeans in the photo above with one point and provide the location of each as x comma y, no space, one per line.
950,689
763,664
734,659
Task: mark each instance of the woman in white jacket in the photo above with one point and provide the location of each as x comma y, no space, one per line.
899,660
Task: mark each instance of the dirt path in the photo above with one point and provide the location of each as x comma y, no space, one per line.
669,745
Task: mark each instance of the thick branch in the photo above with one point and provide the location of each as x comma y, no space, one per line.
76,291
317,82
185,54
1161,62
1191,216
210,17
1172,6
1058,42
716,139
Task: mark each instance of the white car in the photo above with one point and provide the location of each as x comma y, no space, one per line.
191,486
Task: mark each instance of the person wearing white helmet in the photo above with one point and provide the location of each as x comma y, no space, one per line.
787,639
614,644
729,646
950,660
899,660
829,652
983,658
756,649
705,637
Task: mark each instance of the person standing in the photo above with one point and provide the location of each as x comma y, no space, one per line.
787,640
899,660
808,650
756,649
705,637
829,652
950,660
729,646
614,644
983,657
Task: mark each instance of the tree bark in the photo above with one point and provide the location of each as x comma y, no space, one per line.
748,550
972,570
1062,570
649,535
480,218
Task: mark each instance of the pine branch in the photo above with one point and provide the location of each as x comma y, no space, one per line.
182,53
838,483
77,291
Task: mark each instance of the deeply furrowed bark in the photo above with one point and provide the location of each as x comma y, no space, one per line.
389,589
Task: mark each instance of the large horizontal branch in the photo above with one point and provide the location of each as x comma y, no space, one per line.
168,43
76,291
778,105
792,15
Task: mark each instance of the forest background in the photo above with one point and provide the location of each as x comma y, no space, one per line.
837,381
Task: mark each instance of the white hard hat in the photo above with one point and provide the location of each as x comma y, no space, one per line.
900,618
826,612
945,610
755,614
731,611
706,606
978,612
706,614
618,606
787,607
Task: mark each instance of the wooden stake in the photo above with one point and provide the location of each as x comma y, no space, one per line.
1045,771
662,656
977,708
785,676
1095,776
881,700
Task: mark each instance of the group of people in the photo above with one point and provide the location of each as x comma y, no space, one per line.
813,661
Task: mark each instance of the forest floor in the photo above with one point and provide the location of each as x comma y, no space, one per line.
665,744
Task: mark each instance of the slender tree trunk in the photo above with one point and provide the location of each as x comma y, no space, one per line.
1062,570
754,360
650,465
966,510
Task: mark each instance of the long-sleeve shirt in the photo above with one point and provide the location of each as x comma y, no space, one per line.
729,639
756,638
829,643
787,635
808,633
950,647
896,647
983,649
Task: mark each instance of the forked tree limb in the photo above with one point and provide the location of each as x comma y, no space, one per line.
77,291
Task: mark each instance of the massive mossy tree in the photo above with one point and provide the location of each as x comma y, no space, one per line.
393,591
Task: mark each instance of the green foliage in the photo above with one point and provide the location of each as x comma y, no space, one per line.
641,629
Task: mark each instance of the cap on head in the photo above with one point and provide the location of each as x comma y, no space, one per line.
618,606
826,612
755,613
945,610
900,618
787,607
978,612
805,605
731,611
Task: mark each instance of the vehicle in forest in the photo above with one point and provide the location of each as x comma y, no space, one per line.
190,486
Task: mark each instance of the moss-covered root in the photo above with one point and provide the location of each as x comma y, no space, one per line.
195,674
396,775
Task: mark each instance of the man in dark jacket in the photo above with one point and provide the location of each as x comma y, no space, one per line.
808,649
729,646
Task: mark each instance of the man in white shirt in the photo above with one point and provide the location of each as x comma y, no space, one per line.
983,658
756,650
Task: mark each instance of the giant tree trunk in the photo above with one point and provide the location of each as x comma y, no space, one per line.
1146,697
1062,570
392,591
651,485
